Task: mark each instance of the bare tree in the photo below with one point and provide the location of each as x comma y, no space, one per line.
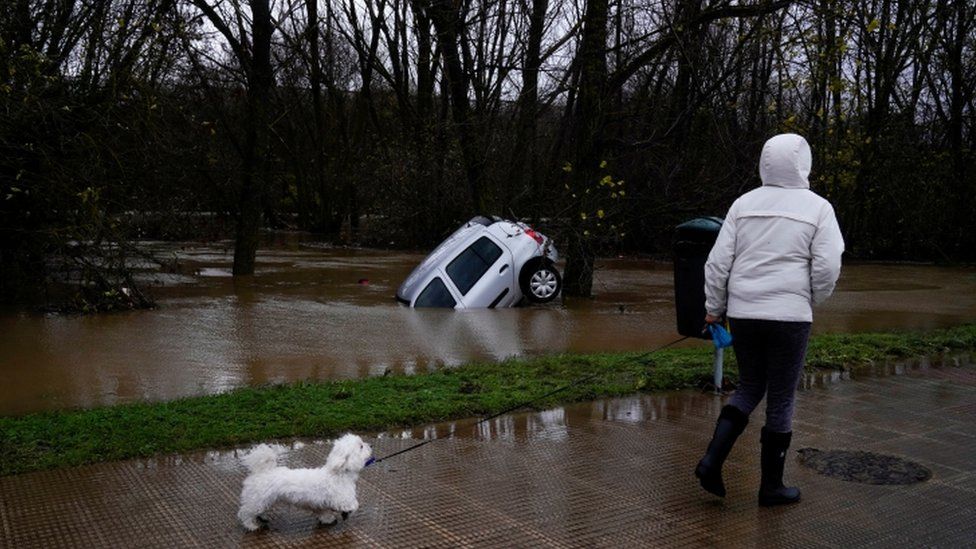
250,45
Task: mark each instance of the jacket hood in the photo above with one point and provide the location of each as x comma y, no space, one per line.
786,162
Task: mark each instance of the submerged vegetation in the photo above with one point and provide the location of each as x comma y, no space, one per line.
314,409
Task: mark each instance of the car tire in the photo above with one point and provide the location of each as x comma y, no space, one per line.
540,281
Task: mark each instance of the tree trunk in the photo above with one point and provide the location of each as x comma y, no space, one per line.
522,171
317,184
445,17
588,121
962,190
254,182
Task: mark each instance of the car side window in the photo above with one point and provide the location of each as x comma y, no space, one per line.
469,266
435,294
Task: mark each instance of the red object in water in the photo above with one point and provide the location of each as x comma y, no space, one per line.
364,281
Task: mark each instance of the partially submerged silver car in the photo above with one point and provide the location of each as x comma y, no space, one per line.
487,263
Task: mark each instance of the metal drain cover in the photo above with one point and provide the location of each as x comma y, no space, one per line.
865,467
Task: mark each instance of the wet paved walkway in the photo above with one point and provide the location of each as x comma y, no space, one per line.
609,473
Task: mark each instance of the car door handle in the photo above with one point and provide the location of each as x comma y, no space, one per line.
503,269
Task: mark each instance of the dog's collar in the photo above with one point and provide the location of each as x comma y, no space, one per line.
370,461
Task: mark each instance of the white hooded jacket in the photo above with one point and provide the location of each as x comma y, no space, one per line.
779,250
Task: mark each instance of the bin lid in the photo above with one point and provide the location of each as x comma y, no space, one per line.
709,224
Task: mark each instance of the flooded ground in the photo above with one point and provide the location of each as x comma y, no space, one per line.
307,315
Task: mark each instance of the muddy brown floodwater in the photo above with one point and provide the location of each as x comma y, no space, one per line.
305,315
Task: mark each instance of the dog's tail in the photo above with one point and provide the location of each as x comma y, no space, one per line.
262,458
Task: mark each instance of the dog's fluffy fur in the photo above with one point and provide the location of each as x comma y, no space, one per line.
325,491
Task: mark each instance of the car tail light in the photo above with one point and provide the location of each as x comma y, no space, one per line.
535,236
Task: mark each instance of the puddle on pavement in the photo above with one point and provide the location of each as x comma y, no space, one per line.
307,315
556,423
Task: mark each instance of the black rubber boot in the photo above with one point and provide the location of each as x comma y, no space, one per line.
773,460
731,423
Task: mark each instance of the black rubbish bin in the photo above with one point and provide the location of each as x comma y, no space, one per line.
692,241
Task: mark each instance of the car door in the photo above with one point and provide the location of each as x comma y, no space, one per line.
482,273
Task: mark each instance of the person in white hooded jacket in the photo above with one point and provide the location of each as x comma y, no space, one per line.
778,254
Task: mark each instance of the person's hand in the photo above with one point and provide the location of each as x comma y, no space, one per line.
712,319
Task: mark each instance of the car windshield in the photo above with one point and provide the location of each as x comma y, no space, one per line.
435,294
468,267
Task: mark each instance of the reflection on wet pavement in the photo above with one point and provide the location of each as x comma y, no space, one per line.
613,472
305,315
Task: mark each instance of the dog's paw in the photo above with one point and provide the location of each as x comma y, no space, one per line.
251,525
328,519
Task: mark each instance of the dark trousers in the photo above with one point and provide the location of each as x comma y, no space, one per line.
770,354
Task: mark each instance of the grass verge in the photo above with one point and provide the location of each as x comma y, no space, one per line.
58,439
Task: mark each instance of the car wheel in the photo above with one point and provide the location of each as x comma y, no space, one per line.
540,281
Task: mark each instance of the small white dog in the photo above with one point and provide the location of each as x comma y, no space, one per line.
326,491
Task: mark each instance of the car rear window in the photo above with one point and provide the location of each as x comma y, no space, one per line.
468,267
435,294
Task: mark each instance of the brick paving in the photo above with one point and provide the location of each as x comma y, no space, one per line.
608,473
